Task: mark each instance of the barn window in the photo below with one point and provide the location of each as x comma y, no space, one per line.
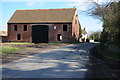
25,28
59,37
65,27
54,27
15,27
18,36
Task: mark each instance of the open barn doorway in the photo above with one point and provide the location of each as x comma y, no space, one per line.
40,34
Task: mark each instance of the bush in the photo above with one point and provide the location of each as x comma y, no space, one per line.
102,50
92,37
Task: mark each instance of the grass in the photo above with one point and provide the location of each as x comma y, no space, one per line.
9,49
61,43
108,54
18,43
4,51
53,43
33,43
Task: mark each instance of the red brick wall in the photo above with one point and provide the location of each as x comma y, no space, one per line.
25,35
59,30
75,28
71,35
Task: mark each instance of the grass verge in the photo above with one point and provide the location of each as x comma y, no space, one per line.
4,51
108,54
62,43
18,43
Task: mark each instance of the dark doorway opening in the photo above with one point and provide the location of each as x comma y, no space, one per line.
59,37
18,36
40,34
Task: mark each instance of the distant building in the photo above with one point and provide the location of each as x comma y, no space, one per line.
44,26
3,36
84,35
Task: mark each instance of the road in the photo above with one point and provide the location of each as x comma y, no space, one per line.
66,62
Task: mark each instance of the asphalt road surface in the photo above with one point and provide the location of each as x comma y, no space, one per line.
70,61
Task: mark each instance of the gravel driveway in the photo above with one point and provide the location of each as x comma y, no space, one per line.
66,62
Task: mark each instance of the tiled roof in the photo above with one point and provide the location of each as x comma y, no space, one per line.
84,31
43,16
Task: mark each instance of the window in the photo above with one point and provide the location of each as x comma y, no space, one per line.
15,27
54,27
59,37
18,36
65,27
25,28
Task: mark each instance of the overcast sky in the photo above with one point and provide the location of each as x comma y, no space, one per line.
8,7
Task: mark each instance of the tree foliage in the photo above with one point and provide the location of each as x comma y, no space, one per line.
110,15
95,35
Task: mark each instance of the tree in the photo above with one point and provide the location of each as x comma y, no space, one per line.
110,15
92,37
95,35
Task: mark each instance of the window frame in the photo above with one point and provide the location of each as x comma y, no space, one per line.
58,37
66,27
55,27
25,28
19,35
15,28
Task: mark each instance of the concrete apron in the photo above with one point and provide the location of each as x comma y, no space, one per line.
65,62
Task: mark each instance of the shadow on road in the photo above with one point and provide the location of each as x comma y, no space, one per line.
57,63
97,68
68,62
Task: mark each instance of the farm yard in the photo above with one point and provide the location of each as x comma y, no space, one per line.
53,60
13,51
34,40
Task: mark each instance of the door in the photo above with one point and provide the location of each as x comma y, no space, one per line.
40,34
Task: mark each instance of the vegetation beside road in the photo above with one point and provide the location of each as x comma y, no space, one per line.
63,43
103,51
109,14
18,43
9,49
95,36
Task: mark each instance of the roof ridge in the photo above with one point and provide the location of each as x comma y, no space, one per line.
46,9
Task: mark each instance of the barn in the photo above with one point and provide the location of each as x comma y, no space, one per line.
3,36
44,26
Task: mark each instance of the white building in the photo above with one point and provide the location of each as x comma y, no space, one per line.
84,35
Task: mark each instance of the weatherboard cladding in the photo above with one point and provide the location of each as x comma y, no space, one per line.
65,15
